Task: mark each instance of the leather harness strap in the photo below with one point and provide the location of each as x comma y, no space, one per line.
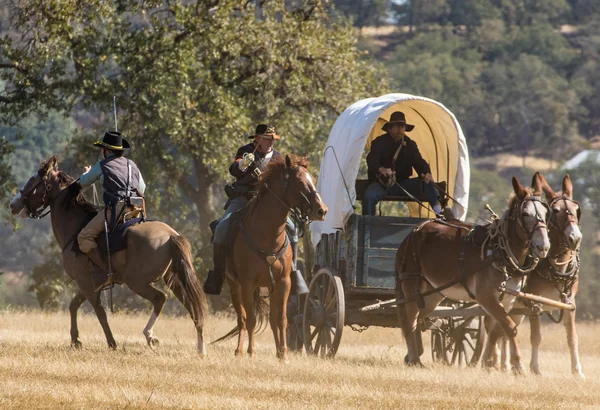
270,258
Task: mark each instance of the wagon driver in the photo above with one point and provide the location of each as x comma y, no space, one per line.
393,155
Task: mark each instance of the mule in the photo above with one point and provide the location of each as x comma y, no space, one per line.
556,277
435,255
260,255
154,251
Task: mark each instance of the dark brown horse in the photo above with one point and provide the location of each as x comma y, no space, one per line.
556,277
261,256
154,251
435,255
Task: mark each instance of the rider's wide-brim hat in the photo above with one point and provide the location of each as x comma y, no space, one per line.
397,117
113,140
265,131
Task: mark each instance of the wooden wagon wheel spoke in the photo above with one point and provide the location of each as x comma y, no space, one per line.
324,290
314,333
469,341
332,303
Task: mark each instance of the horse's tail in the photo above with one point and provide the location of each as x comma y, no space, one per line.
261,310
185,280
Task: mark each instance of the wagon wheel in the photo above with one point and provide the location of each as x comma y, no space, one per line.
458,341
324,311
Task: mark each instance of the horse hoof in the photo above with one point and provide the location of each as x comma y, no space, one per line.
76,344
517,371
239,353
579,375
112,346
153,342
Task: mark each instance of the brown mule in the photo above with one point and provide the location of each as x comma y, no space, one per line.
261,256
154,251
556,277
435,254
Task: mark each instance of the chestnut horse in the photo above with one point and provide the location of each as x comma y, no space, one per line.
435,258
154,251
556,277
261,256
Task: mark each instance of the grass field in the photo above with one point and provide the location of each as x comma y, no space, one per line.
39,370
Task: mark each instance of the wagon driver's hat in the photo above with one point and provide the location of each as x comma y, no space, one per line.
113,140
397,117
265,131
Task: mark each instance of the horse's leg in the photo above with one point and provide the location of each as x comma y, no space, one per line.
248,303
572,340
101,315
505,346
158,299
179,293
536,340
409,324
493,307
278,317
492,361
76,302
236,300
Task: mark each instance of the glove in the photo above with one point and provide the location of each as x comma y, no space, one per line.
247,159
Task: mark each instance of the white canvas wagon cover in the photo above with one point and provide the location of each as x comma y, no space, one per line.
437,134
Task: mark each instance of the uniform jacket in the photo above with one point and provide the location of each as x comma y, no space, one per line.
246,181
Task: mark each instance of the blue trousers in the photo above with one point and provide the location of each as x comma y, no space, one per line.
236,204
415,186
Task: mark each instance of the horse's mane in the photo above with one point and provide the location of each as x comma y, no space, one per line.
277,165
74,196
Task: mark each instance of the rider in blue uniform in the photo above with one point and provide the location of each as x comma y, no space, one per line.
250,161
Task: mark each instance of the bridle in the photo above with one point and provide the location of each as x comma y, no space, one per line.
39,212
299,214
574,267
539,223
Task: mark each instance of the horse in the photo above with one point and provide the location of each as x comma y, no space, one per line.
154,251
556,277
260,255
435,261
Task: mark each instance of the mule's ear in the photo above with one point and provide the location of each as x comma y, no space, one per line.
567,187
288,161
519,190
548,192
536,184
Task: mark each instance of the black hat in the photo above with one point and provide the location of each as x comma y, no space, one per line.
397,117
113,140
265,131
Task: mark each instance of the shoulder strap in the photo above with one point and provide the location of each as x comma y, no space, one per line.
396,157
128,178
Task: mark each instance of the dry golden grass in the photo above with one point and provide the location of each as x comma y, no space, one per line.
39,370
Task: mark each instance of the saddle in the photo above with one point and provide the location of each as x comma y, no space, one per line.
235,224
476,237
117,238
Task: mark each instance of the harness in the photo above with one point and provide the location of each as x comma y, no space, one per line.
495,252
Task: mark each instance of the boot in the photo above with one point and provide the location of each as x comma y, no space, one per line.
100,277
299,286
216,276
